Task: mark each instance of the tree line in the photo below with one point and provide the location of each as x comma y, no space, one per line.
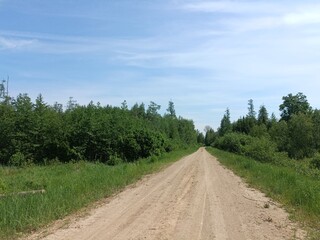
39,133
262,136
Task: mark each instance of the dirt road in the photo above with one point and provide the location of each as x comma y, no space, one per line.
195,198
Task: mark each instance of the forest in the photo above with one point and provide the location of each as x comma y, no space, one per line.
38,133
296,135
77,154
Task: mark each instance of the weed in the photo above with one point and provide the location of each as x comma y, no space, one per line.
69,187
299,193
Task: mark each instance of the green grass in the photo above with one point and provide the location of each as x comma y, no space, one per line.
69,187
300,194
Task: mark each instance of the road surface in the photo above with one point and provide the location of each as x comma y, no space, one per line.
194,198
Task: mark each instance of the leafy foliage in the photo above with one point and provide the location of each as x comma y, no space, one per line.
37,132
279,134
171,111
297,133
300,136
233,142
244,125
225,126
263,116
210,136
315,162
261,149
294,104
251,111
200,138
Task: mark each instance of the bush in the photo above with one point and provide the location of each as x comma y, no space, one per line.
19,160
261,149
233,142
3,186
152,159
315,162
114,160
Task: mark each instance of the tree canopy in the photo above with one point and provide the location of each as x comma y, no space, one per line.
294,104
296,134
38,133
225,125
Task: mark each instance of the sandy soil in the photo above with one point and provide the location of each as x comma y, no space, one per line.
194,198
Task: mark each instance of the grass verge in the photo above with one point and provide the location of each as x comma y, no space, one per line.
69,187
299,194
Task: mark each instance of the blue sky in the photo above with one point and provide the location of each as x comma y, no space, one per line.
205,56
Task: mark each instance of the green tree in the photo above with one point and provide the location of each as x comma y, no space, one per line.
259,131
210,136
124,105
187,134
279,133
24,126
316,128
225,125
57,107
39,129
171,111
7,132
273,120
200,137
263,116
251,111
300,136
138,110
294,104
72,104
244,125
153,109
38,132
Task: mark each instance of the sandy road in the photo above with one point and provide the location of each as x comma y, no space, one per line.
195,198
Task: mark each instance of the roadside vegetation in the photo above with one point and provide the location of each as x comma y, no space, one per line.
69,187
78,154
299,193
37,133
279,156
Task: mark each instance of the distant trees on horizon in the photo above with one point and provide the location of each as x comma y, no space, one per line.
296,133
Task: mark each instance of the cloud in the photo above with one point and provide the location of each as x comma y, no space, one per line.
63,44
210,55
10,43
52,44
241,16
231,7
302,18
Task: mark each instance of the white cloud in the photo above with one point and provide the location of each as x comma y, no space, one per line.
10,43
53,44
257,15
302,18
230,6
229,52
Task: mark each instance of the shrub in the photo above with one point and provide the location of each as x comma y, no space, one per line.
114,160
3,186
315,162
233,142
261,149
19,160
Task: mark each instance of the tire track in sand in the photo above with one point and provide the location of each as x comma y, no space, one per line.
194,198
